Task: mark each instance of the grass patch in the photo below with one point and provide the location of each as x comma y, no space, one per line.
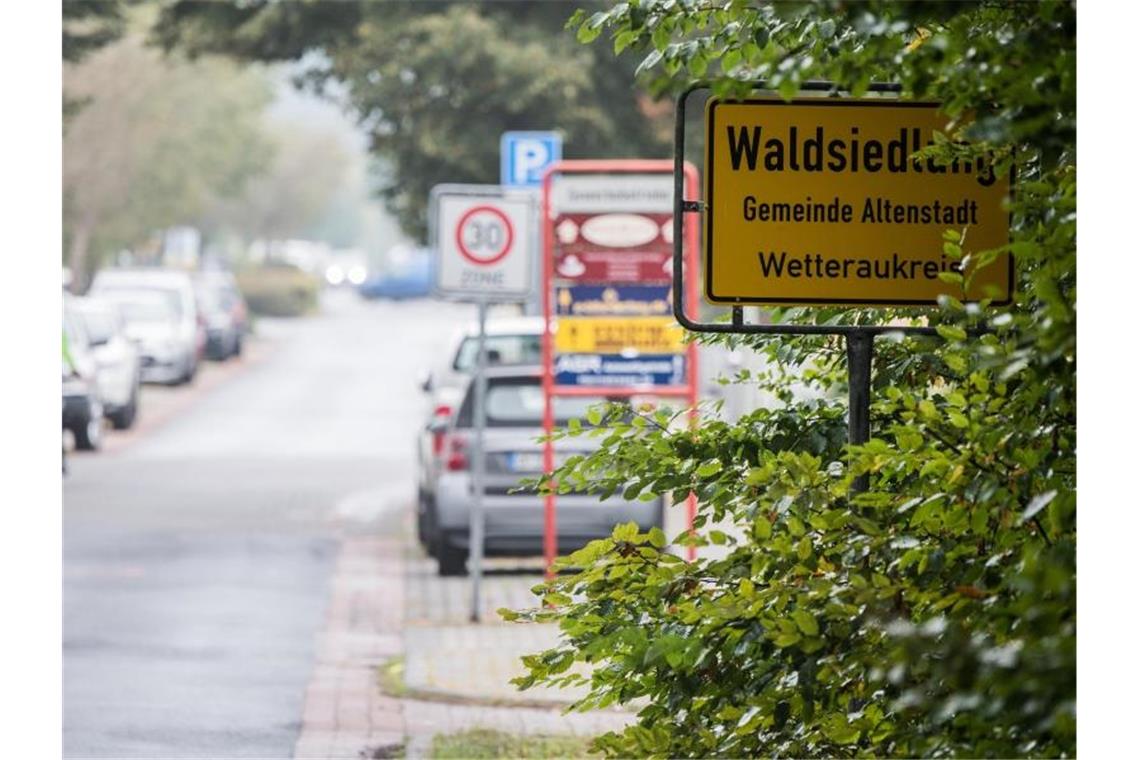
391,677
485,743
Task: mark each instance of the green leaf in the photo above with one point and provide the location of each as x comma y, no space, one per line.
806,622
730,60
803,548
588,33
625,531
951,332
623,40
710,468
1036,504
646,64
785,640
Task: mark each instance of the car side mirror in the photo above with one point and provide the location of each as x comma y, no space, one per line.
427,382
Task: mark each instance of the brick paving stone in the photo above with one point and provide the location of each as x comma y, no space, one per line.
344,715
478,661
446,654
386,600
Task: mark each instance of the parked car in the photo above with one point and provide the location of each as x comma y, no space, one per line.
151,323
514,521
510,342
413,280
82,404
174,343
118,368
224,313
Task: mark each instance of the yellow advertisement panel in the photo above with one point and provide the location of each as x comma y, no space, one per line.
597,335
821,200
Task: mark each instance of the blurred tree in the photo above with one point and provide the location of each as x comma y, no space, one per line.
289,198
435,85
157,143
89,25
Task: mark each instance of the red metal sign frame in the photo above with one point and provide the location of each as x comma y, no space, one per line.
688,391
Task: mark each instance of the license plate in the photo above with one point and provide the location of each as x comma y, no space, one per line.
525,461
531,461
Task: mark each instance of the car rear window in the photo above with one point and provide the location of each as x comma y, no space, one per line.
502,351
518,403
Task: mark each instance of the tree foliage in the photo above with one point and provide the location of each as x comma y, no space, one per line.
435,84
289,193
157,144
89,25
935,613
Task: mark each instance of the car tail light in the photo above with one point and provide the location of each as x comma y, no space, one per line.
439,421
456,457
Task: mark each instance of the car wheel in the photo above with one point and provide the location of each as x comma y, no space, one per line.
88,431
432,544
452,559
424,522
124,418
191,370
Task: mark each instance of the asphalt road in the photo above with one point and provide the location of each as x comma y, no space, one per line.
197,554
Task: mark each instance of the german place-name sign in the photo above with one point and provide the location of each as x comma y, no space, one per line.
821,200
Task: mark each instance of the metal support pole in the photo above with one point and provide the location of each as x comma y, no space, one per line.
478,465
860,346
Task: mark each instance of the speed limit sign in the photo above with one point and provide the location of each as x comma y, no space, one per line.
481,243
484,235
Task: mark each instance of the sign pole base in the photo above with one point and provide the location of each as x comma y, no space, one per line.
478,467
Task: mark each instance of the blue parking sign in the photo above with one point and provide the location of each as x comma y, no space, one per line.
525,156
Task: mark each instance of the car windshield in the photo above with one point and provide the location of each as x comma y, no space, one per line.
144,310
170,295
502,351
520,404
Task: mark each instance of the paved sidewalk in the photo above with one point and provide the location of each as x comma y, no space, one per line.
387,601
467,667
345,714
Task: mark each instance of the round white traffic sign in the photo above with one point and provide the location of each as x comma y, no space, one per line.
484,235
482,243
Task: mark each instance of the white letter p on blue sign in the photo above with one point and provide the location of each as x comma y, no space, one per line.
525,156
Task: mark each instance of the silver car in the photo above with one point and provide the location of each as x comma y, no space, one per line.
511,341
180,340
514,521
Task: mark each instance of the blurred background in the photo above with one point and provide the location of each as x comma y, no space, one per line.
254,372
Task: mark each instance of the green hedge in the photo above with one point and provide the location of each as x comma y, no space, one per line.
278,291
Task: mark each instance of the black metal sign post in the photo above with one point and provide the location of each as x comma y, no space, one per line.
859,339
860,348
